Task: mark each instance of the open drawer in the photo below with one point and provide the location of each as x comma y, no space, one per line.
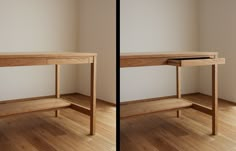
203,61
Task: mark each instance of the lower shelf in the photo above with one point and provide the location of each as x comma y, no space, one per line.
14,108
141,108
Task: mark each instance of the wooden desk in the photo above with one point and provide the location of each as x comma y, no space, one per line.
53,58
178,59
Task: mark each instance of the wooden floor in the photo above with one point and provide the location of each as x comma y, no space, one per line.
41,131
192,132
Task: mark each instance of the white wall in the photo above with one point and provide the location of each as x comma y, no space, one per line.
97,33
58,25
36,25
218,33
158,25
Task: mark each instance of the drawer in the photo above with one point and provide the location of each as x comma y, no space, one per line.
195,61
80,60
5,62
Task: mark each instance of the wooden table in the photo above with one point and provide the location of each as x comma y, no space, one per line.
178,59
53,58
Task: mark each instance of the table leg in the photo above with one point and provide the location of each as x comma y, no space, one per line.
93,97
178,86
57,85
214,99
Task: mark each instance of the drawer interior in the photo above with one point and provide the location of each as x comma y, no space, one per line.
190,58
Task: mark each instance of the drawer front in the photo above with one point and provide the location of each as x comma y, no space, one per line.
142,62
22,62
81,60
195,61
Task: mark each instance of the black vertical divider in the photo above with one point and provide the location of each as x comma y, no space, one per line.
118,75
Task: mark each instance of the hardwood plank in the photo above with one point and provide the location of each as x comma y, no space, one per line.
15,108
191,132
7,146
38,142
69,132
51,127
141,108
162,144
127,144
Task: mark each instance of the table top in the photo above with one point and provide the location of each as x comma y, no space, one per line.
160,58
59,54
166,54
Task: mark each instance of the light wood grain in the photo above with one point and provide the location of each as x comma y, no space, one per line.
57,85
42,132
177,59
172,54
136,62
48,55
43,58
93,97
157,58
15,108
195,62
55,58
192,132
80,109
203,109
155,99
142,108
33,98
22,62
178,87
80,60
215,99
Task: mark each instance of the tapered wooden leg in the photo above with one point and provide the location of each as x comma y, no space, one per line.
93,98
214,99
178,86
57,85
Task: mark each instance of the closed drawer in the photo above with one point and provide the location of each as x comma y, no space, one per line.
81,60
195,61
22,62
